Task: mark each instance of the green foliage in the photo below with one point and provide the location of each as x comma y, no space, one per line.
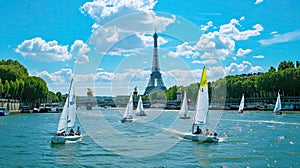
11,70
285,65
287,80
171,92
15,83
35,89
272,69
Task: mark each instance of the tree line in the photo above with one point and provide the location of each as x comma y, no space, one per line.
285,79
15,83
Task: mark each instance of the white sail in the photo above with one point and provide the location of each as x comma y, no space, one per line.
202,105
72,108
140,107
184,106
68,115
241,107
278,104
129,108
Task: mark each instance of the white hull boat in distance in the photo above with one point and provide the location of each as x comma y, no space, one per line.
140,108
201,115
65,139
67,120
241,107
126,120
184,108
185,117
277,108
127,116
201,137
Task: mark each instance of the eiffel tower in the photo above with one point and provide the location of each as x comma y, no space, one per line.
155,81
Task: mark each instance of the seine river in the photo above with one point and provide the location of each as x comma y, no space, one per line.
254,139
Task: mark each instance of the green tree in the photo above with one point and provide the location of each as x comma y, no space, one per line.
272,69
286,64
35,89
6,88
171,93
1,87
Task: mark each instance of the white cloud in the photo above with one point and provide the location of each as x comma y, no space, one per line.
60,76
242,52
258,2
122,29
197,62
148,40
79,50
274,33
39,49
207,26
242,18
287,37
259,56
221,44
100,9
184,49
244,67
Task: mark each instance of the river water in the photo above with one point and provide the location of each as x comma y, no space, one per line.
254,139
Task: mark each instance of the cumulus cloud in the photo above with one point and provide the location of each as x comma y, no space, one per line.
207,26
62,75
258,2
242,52
274,33
39,49
79,50
221,44
184,49
99,9
244,67
147,39
290,36
259,56
242,18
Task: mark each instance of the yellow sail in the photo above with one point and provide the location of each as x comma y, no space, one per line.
204,81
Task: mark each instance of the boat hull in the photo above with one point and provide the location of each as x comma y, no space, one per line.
141,114
126,120
65,139
201,138
185,117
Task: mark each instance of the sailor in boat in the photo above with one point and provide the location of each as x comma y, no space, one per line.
207,132
198,131
61,134
71,133
78,132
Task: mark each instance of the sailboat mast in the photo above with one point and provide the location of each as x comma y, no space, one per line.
69,92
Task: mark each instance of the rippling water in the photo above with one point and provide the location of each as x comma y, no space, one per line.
254,139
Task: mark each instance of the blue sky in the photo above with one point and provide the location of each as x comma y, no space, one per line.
108,44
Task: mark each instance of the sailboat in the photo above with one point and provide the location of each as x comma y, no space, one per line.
140,108
201,113
241,107
127,116
184,108
277,106
67,120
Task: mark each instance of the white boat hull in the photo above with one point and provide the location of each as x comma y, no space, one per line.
201,137
65,139
141,114
185,117
126,120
